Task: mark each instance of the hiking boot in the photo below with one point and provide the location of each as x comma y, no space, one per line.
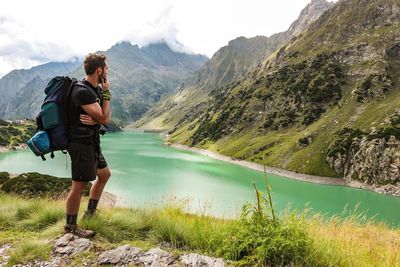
89,214
75,230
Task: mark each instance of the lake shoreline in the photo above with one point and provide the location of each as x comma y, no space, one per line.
107,199
260,167
386,190
4,149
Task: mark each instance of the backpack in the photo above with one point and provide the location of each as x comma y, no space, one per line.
52,133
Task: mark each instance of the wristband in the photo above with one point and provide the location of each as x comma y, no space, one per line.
106,95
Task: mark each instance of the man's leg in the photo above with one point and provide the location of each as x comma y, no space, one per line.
73,203
74,200
83,169
97,189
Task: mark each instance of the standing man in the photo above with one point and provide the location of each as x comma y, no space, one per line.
89,107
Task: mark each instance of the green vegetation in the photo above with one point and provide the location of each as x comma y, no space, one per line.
343,142
342,73
373,86
12,134
29,251
4,176
256,238
36,185
294,94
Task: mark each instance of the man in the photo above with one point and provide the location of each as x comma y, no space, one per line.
89,107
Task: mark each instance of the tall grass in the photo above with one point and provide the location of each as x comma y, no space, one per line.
29,251
255,238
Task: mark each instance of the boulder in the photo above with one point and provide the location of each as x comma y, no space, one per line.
120,255
197,260
70,244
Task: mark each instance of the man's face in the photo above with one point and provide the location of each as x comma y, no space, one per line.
103,73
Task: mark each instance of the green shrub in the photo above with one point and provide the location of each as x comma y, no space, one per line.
38,185
260,238
344,140
386,133
4,176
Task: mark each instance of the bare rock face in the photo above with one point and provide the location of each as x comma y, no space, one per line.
120,255
371,161
157,257
197,260
70,245
375,161
309,14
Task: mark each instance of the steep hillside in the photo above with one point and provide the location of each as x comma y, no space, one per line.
228,64
343,72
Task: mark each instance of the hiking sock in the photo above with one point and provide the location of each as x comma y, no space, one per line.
92,205
71,219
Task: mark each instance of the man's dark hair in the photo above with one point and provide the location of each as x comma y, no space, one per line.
93,61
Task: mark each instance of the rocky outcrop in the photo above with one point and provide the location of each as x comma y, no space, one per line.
372,161
71,245
120,255
4,254
375,161
309,14
68,246
193,259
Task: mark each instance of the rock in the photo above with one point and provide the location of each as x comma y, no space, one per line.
375,161
389,189
198,260
394,51
55,261
372,160
70,245
305,141
3,254
157,257
120,255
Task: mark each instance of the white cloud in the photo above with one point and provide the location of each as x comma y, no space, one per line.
33,32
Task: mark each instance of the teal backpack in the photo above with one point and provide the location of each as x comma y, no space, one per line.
52,121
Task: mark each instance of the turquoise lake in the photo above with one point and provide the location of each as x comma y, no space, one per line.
145,172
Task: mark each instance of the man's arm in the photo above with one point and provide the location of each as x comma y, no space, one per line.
98,113
101,114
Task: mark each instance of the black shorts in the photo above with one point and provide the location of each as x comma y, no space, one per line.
85,161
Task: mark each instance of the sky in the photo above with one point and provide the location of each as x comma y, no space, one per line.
36,32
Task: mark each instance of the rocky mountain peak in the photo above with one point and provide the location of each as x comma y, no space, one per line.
310,13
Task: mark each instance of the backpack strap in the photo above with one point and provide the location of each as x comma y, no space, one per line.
66,115
82,84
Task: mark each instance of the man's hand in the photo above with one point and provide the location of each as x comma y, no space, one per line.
87,119
105,85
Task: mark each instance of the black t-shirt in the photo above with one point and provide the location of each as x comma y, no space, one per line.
83,95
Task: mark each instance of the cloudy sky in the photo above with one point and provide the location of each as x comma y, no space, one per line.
35,32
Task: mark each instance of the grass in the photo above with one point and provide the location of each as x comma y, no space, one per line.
29,251
255,238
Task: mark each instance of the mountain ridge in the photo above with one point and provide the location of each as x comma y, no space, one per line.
139,77
292,111
228,64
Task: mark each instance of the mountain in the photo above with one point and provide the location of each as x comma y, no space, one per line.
325,103
228,64
13,82
138,78
141,76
